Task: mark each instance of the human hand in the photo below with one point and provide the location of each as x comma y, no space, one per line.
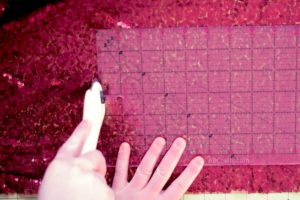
78,170
74,176
146,186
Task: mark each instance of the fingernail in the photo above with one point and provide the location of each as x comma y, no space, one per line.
196,164
198,160
160,141
94,80
124,147
96,86
180,142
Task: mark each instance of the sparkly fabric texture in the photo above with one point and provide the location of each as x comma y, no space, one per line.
48,60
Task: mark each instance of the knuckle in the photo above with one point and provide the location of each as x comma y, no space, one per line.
162,172
144,171
72,143
75,169
118,171
68,166
180,186
97,153
83,163
151,193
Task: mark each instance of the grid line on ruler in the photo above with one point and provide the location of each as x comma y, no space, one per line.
186,87
164,77
216,92
274,76
141,57
120,70
211,137
296,89
252,120
218,70
208,90
240,48
252,91
230,89
205,113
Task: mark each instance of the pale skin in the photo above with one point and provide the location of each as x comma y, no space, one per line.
76,176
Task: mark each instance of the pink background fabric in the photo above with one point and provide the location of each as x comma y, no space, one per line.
48,59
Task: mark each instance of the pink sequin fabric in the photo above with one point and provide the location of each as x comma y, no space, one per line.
48,59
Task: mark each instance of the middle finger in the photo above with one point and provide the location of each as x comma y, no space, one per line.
145,169
166,167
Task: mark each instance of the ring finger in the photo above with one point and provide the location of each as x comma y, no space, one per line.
166,167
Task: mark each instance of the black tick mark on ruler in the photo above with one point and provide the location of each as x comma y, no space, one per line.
102,97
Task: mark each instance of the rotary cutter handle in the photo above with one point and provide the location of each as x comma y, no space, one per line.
93,111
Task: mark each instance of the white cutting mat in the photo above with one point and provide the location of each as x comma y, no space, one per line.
214,196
